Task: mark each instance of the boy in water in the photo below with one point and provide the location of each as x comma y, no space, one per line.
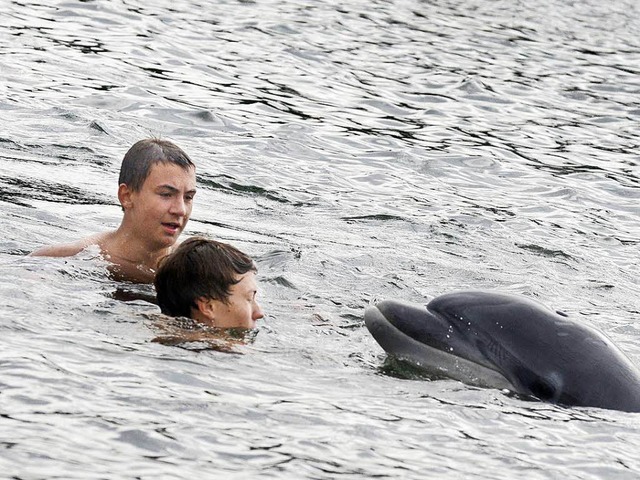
156,188
211,282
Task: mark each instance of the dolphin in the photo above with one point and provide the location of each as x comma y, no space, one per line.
506,341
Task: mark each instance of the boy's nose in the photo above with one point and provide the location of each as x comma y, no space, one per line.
257,312
179,207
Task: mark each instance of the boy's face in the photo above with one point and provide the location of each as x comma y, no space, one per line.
241,309
162,207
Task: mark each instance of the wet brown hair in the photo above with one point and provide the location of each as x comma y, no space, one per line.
198,268
144,154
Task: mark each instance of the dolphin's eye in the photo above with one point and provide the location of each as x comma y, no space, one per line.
543,390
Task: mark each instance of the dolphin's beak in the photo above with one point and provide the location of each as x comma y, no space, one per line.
412,320
415,334
393,324
373,317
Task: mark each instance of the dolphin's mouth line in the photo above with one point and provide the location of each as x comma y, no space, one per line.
432,360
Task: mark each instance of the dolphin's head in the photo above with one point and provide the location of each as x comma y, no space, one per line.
415,334
508,342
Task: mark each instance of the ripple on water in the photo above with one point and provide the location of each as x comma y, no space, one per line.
359,152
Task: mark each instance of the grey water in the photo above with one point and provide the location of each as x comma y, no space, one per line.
359,151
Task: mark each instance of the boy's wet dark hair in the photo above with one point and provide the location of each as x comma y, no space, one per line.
198,268
138,161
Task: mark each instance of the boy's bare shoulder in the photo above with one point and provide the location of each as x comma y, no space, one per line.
71,248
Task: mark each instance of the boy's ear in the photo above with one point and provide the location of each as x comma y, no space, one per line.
124,196
206,307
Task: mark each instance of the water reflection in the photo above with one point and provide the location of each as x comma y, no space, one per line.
188,334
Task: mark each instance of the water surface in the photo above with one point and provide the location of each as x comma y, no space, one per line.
360,151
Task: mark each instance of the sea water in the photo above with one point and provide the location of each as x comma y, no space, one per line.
359,151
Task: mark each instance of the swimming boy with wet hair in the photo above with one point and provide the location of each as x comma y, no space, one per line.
211,282
156,188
